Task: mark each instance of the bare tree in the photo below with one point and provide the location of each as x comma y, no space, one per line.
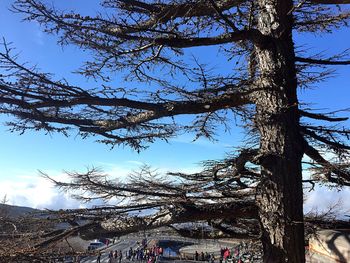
21,232
258,191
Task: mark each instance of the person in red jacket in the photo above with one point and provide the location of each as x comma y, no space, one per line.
226,254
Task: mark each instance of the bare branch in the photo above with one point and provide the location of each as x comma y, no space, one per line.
318,116
324,140
343,175
322,61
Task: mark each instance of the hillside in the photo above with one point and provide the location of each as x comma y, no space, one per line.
16,211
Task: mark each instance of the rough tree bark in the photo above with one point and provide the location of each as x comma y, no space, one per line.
142,38
281,145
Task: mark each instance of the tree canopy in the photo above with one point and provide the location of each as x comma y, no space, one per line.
256,192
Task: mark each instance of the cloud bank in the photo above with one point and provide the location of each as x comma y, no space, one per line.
36,192
324,197
32,190
23,188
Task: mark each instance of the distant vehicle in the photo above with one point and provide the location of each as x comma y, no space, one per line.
68,259
95,245
105,241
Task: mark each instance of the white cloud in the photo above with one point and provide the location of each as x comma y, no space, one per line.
38,35
133,162
37,192
324,197
30,189
203,142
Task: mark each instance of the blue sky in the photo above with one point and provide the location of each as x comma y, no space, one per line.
21,156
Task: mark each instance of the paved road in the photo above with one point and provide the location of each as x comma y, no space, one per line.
125,244
122,245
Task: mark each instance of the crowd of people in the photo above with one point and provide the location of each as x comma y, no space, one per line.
146,253
204,257
115,256
227,254
237,254
141,254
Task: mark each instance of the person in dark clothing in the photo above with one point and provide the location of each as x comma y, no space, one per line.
202,256
110,256
98,260
196,256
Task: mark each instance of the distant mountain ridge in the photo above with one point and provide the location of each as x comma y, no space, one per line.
16,211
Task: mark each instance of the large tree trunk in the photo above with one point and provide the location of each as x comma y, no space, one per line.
281,196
